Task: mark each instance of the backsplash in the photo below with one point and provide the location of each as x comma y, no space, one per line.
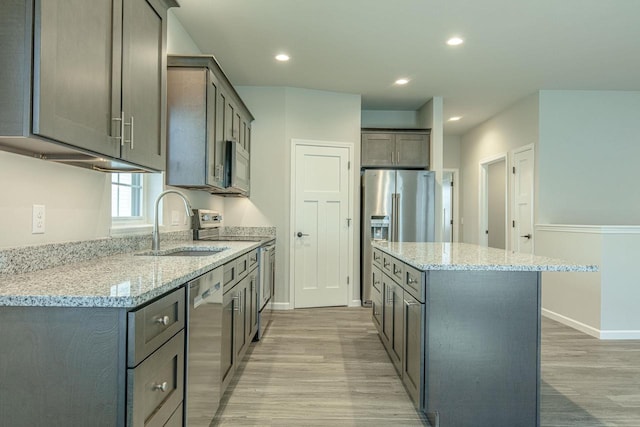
248,231
38,257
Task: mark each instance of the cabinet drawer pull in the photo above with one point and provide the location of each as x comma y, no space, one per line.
412,281
163,387
236,306
163,320
386,264
410,303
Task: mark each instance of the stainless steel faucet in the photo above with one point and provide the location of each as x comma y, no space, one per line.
155,242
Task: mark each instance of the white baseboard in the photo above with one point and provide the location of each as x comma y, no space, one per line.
355,303
281,306
590,330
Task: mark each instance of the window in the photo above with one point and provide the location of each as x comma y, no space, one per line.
127,196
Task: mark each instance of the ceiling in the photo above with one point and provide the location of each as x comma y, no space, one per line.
511,49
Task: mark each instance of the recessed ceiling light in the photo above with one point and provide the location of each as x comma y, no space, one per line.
402,81
283,57
455,41
454,118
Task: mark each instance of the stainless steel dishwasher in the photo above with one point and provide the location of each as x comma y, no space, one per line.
204,331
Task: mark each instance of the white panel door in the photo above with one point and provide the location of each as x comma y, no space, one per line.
523,201
321,238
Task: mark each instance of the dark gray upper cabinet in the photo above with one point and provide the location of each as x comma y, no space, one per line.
90,79
397,149
204,114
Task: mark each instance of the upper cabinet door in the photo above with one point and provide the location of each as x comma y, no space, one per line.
378,149
214,170
412,150
77,44
143,82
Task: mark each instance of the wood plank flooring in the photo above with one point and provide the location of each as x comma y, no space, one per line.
327,367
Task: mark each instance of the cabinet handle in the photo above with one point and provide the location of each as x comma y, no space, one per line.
412,280
389,296
237,306
392,158
121,120
376,282
163,320
130,124
163,387
410,303
398,157
396,270
386,264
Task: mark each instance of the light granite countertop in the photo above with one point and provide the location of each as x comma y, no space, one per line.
468,257
125,280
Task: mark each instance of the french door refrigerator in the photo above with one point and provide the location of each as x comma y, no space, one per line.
398,206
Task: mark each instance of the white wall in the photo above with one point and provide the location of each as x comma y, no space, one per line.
283,114
451,152
512,128
588,151
77,201
389,119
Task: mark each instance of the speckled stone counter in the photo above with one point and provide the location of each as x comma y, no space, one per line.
124,280
467,257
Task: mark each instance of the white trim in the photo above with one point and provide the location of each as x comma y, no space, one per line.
590,330
483,199
350,146
589,229
131,230
355,303
456,203
281,306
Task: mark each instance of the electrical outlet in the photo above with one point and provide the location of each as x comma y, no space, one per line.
175,217
38,219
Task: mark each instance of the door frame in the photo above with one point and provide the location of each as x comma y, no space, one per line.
512,192
456,201
483,206
292,213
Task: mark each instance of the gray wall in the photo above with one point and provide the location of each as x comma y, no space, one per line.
588,158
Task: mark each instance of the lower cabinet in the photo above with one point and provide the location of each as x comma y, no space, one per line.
240,315
400,317
80,366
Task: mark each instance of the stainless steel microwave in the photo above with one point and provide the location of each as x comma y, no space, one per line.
237,169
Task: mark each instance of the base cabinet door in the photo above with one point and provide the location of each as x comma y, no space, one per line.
387,311
228,338
252,305
413,360
241,322
396,348
376,297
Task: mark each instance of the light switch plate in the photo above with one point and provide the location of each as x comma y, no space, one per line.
38,218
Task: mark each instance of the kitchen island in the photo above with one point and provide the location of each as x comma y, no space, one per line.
461,323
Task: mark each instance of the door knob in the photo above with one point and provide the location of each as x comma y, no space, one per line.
300,234
528,236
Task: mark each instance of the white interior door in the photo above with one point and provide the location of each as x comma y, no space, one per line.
496,204
523,200
447,206
321,225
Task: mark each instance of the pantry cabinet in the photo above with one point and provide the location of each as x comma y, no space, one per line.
90,80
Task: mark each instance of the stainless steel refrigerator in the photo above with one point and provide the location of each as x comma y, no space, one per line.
397,205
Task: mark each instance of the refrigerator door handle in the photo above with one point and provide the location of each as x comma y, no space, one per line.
397,215
392,237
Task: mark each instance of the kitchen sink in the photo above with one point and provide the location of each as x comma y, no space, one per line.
188,251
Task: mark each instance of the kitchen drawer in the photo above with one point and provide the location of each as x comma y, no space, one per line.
230,275
155,388
242,266
414,282
376,279
387,262
397,268
377,258
177,419
252,259
152,325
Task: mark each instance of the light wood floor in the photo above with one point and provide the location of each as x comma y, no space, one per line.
327,367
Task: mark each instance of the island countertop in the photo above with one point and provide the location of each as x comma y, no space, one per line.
468,257
125,280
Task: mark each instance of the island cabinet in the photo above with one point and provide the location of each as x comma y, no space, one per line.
461,324
209,128
85,80
93,366
240,312
395,148
400,320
